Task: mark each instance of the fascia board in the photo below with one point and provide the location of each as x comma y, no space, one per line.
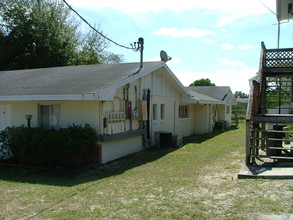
196,101
77,97
211,102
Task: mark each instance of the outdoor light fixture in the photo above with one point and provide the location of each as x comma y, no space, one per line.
28,118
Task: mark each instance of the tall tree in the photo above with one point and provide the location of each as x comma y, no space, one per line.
93,50
42,33
202,82
239,94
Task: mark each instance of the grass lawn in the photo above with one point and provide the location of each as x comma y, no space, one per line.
197,181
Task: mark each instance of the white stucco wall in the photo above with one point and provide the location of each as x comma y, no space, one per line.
5,116
168,123
72,112
221,112
163,92
81,113
202,122
112,150
228,115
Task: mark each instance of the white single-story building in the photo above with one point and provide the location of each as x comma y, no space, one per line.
222,100
127,105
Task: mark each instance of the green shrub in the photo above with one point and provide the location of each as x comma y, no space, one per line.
73,146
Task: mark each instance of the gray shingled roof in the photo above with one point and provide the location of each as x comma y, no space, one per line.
202,98
212,94
68,79
242,100
217,92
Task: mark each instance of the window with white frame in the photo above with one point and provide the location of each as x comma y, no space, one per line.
183,111
155,112
162,112
49,116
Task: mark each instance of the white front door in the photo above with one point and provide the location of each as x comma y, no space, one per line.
5,116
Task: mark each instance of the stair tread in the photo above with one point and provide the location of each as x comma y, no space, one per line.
275,115
274,118
274,148
273,157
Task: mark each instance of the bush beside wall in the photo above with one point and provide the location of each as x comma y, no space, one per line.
70,147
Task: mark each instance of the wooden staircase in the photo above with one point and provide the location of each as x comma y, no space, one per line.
269,123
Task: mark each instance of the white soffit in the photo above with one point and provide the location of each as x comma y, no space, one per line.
284,10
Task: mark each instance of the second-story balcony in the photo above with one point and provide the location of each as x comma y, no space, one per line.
276,61
276,81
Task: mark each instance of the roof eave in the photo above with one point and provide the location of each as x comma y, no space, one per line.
211,102
57,97
197,101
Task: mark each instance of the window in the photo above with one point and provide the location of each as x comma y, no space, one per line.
162,112
49,116
154,112
183,111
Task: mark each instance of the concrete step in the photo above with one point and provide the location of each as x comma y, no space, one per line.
266,172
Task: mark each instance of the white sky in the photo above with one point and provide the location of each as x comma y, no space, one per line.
219,40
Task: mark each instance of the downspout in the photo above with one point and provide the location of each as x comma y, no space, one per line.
215,113
127,99
101,116
148,114
174,123
207,117
136,97
127,92
102,131
147,137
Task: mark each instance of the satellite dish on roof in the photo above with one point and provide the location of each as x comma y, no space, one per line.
164,56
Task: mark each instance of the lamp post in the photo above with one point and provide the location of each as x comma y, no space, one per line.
28,118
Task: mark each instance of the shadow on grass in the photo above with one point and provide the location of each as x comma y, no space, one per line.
197,139
68,178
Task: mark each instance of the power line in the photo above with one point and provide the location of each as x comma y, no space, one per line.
267,7
279,23
95,28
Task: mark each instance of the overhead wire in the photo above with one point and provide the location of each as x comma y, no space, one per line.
93,28
267,7
279,23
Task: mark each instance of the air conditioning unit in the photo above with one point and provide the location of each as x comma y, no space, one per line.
177,140
157,138
163,139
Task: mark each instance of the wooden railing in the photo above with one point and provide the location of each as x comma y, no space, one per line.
253,109
277,58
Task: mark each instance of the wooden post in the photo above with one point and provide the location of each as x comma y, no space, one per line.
248,124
